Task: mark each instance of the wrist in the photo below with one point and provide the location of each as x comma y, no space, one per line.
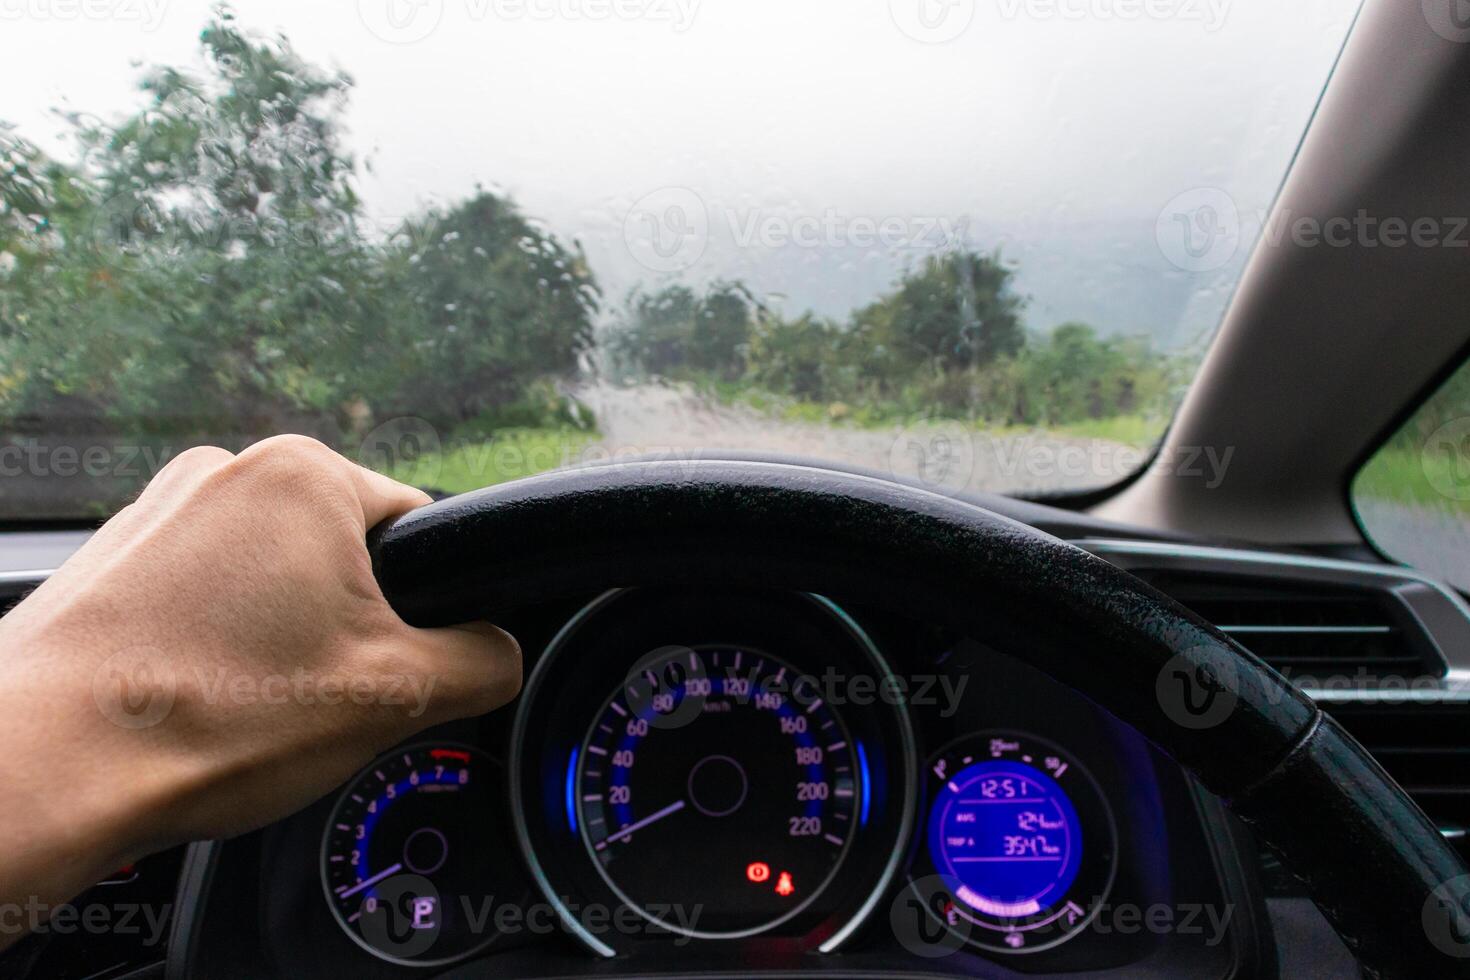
82,794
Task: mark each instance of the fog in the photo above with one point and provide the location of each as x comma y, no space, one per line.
813,149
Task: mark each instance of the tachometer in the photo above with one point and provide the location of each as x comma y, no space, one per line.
407,859
718,779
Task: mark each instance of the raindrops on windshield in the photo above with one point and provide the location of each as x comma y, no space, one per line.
920,247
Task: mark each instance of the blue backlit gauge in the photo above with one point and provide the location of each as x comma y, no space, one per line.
1008,837
1018,849
405,868
718,780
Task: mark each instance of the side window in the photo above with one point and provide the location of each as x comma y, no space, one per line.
1413,497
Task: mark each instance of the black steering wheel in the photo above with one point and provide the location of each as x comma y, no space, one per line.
1379,870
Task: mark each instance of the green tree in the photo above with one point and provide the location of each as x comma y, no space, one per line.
653,331
204,269
206,256
36,195
485,305
1072,375
956,311
721,336
676,331
796,357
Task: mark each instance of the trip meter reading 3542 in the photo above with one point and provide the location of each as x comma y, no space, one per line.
717,792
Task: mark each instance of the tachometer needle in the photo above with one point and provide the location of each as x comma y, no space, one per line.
385,873
640,824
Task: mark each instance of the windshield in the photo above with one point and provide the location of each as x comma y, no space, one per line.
1412,496
983,244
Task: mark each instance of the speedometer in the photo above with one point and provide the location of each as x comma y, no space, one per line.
689,766
719,778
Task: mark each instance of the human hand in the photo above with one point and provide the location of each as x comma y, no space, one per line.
217,656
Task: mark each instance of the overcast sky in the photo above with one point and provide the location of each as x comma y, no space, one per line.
811,148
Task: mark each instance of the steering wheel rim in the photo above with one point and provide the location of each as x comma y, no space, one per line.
1385,878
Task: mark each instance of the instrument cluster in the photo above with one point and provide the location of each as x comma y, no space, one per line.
753,774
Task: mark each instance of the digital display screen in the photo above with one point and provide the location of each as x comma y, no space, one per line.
1007,838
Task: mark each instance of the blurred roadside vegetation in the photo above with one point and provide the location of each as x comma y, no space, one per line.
946,342
1426,463
1412,496
204,270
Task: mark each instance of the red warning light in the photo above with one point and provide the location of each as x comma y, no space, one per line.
784,886
758,872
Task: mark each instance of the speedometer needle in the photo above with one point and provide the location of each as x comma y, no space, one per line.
640,824
385,873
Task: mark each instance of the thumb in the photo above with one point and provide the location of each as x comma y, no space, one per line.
475,667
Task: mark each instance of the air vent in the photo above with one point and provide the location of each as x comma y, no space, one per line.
1424,747
1311,631
1400,640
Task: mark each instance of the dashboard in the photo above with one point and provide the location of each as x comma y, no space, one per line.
697,784
758,781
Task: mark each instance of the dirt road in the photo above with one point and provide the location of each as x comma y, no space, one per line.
676,422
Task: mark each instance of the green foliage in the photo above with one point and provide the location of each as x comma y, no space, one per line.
677,331
482,305
957,311
220,245
541,405
946,342
507,454
1072,375
800,357
1128,430
204,269
1423,458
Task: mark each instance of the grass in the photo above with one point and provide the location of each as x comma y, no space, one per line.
1131,430
1401,475
1397,474
1142,431
508,454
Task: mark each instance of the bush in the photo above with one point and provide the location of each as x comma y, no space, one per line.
676,332
946,343
208,272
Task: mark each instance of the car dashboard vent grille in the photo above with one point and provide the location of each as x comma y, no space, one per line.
1309,630
1423,747
1382,649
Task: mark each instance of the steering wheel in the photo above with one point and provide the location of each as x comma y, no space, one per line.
1382,874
